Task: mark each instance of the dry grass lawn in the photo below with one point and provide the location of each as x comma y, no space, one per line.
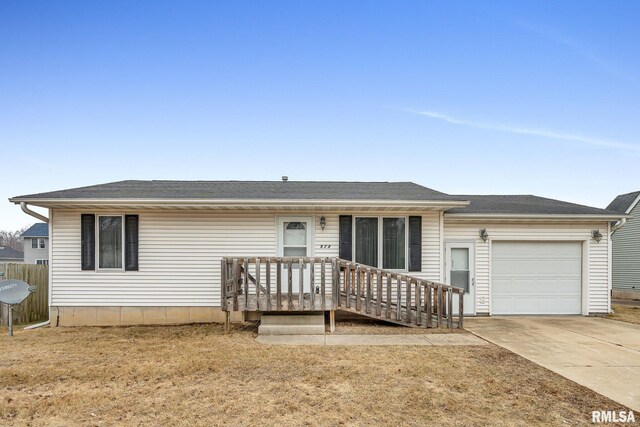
625,313
197,375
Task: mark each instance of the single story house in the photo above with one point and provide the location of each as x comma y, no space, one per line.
150,251
36,244
626,248
10,255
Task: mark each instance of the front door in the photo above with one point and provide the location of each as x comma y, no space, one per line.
295,240
460,273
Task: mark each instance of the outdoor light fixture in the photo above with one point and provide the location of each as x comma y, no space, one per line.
596,235
323,222
483,234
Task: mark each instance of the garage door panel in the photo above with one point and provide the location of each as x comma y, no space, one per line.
536,277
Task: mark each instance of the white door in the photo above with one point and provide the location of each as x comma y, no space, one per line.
295,240
460,272
536,277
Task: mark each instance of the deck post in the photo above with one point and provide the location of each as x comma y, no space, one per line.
428,297
450,309
227,321
440,305
460,309
323,280
301,285
332,321
418,302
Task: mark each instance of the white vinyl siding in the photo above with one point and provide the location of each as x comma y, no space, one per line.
180,251
626,254
179,258
597,272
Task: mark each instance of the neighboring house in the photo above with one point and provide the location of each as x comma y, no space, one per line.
36,244
626,248
10,255
150,251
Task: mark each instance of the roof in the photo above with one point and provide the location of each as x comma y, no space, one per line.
623,202
10,253
214,190
524,205
40,229
276,194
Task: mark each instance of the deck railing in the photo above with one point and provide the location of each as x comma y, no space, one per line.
330,284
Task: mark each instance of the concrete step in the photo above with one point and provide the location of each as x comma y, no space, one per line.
292,324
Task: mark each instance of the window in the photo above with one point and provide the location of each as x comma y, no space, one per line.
393,246
41,240
42,261
392,253
367,241
34,243
294,239
110,233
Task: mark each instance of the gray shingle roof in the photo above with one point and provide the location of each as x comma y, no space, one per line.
40,229
10,253
623,202
318,190
524,205
291,190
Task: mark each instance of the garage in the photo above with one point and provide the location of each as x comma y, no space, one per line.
536,277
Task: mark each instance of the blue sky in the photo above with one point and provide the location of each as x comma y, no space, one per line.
465,97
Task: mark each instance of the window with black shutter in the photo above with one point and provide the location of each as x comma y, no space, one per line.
131,242
415,243
345,237
88,241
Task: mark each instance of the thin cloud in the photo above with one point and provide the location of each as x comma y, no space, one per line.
529,131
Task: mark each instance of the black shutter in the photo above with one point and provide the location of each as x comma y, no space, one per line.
131,242
346,237
88,241
415,243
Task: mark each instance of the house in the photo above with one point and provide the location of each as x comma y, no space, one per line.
10,255
165,251
36,244
626,248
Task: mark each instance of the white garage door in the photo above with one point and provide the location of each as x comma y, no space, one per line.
536,277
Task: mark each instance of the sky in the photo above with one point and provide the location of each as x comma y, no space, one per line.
477,97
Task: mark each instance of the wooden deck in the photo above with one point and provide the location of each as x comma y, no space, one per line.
255,284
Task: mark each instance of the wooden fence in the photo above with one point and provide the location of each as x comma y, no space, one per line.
36,307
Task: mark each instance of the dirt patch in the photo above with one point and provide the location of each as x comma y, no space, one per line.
625,313
197,375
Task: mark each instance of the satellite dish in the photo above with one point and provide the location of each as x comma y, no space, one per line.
13,291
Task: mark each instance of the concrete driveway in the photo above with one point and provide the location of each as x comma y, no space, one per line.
601,354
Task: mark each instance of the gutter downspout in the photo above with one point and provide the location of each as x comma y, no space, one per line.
43,218
618,224
28,211
612,228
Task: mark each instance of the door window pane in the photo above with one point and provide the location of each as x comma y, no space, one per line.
295,251
367,241
460,258
295,233
110,241
393,246
460,279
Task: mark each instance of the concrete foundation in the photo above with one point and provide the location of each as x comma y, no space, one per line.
625,294
125,316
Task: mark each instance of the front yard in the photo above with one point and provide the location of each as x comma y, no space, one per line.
186,375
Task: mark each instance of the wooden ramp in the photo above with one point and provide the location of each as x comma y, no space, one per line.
267,284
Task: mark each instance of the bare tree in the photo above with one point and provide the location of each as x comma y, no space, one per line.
12,239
